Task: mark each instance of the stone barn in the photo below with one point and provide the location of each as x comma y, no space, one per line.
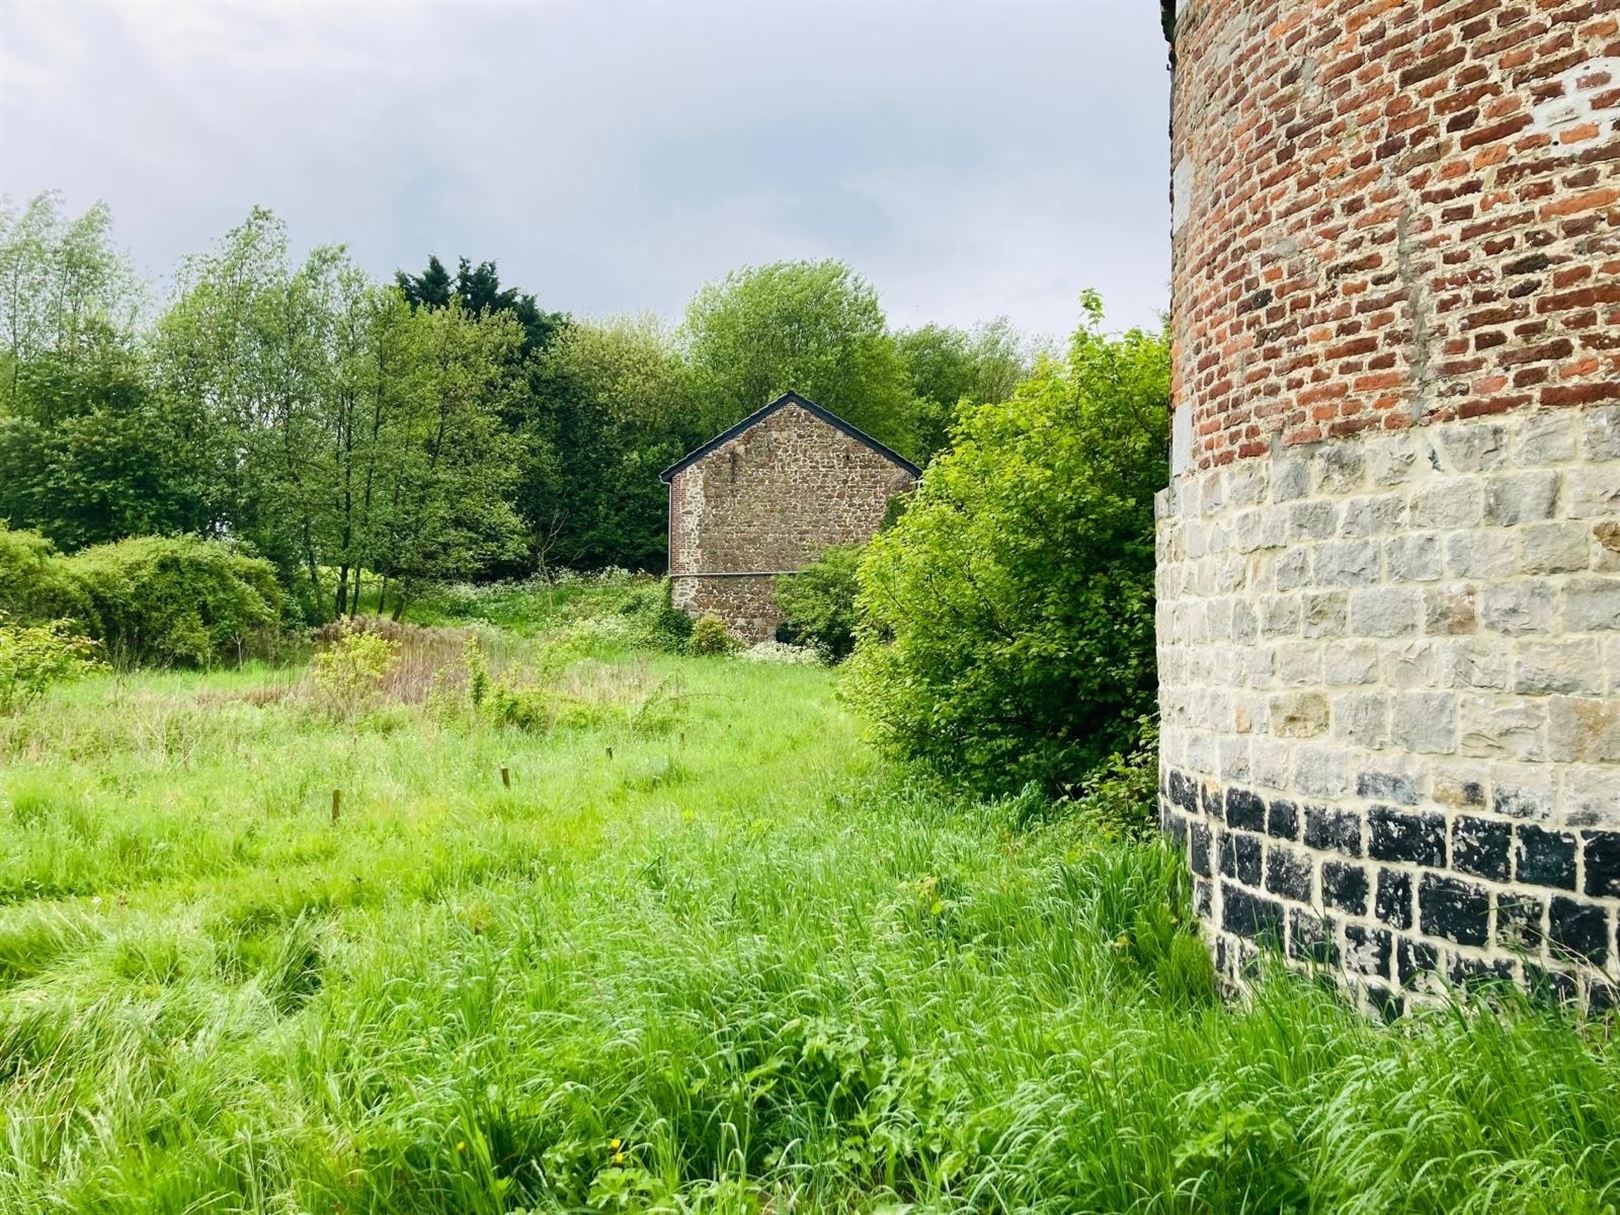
766,498
1389,559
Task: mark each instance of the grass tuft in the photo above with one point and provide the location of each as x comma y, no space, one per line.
732,966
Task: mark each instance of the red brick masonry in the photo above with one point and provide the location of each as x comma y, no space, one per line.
1391,212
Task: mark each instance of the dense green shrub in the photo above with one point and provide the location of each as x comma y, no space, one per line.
710,636
1007,617
349,672
655,622
818,602
33,657
179,601
34,586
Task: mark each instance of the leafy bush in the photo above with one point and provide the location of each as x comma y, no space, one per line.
180,601
349,672
34,585
655,622
33,657
818,602
1007,627
710,636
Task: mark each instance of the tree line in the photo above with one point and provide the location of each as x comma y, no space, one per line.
437,426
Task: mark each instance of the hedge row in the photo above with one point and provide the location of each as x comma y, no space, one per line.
150,601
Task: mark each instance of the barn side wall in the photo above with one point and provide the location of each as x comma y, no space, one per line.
1389,559
769,501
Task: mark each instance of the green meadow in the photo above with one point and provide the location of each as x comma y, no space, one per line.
699,950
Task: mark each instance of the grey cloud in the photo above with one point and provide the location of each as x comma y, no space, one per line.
971,159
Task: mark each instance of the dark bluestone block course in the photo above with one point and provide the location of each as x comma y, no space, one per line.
1471,973
1367,950
1452,909
1519,919
1600,996
1414,958
1546,858
1288,873
1282,820
1250,915
1310,937
1333,830
1580,928
1182,792
1393,902
1245,809
1387,787
1344,886
1400,835
1482,846
1203,897
1603,863
1198,849
1240,857
1174,825
1556,985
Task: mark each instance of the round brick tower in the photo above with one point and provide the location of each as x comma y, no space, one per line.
1389,558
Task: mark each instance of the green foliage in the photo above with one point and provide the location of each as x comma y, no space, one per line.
88,452
1007,630
734,967
478,681
349,672
710,636
34,584
818,602
623,408
178,601
1120,795
352,431
815,328
953,368
33,657
655,622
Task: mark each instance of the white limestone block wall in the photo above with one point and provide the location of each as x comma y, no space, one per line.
1390,698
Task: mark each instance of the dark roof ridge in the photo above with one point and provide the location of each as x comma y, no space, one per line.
759,415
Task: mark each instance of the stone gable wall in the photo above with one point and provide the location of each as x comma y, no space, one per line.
1389,560
770,500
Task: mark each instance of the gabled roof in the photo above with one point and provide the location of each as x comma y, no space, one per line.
790,398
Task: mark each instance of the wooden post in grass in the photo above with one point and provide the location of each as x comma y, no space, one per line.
506,777
337,803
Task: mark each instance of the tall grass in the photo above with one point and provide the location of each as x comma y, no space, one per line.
734,967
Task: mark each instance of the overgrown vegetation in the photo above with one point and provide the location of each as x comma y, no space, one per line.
691,951
150,600
819,602
34,657
1007,616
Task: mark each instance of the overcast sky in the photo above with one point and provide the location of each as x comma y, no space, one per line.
971,159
